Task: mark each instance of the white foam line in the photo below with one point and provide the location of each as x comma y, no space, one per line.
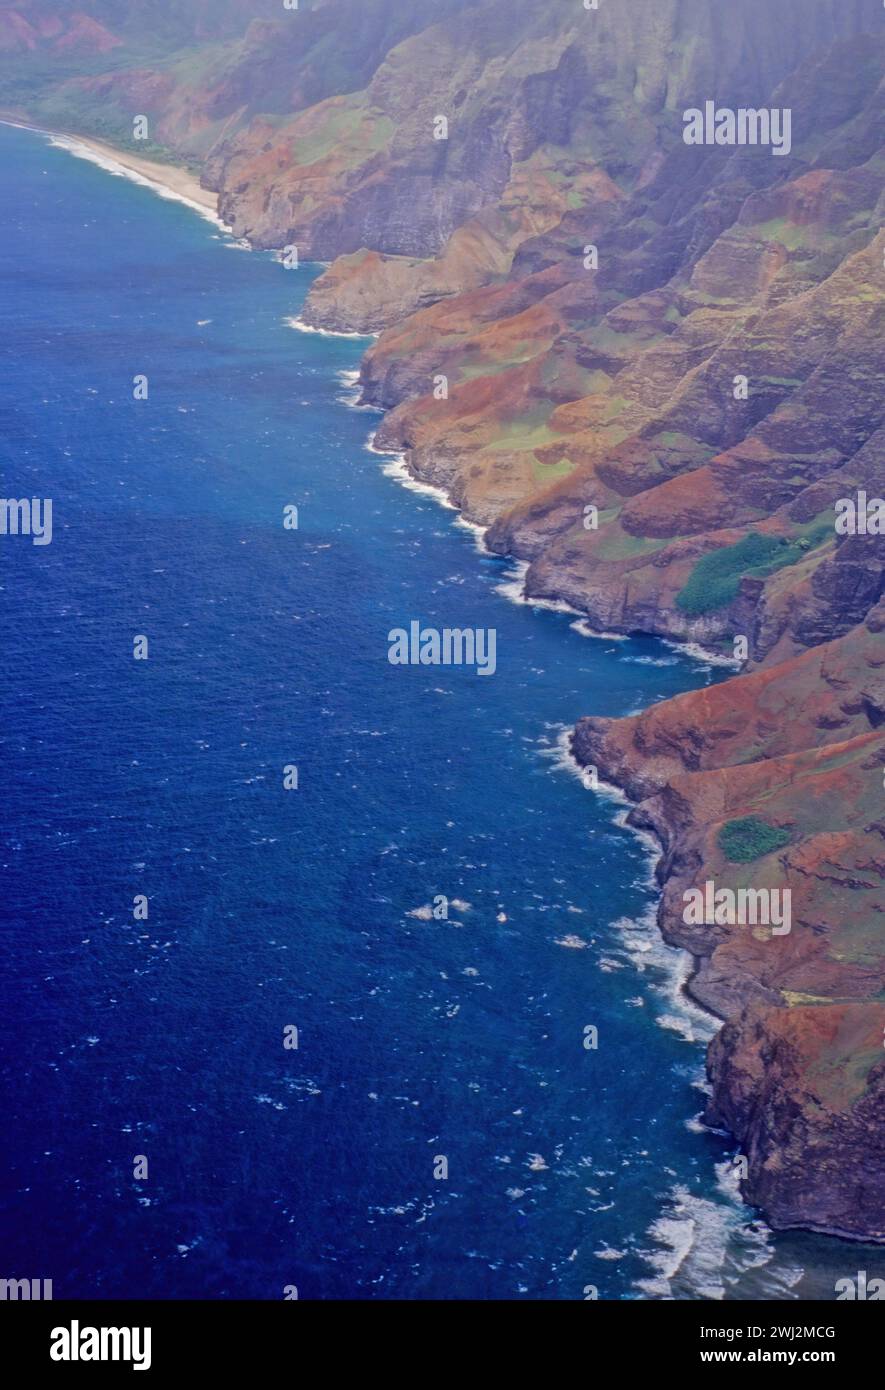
297,322
552,605
477,531
124,171
512,586
642,938
683,1231
513,589
396,467
697,652
582,626
351,397
564,760
695,1236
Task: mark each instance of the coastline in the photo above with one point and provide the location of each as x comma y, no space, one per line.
723,993
174,181
763,1206
177,183
168,180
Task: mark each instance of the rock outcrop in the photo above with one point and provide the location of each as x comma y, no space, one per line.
798,1070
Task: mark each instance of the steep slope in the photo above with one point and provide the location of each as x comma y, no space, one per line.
798,1071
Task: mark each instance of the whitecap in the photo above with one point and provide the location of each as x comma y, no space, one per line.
702,1246
583,627
651,660
512,586
297,322
352,393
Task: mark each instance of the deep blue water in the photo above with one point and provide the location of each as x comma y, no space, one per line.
417,1039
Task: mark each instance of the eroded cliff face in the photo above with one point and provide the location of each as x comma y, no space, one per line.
798,1070
652,370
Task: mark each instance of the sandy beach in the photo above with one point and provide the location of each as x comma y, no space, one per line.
170,179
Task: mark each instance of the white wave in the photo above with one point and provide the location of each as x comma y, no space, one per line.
701,1246
123,171
643,943
695,1124
351,396
297,322
476,530
553,605
512,586
562,759
674,1236
651,660
397,467
697,652
641,937
583,627
673,1023
648,838
560,754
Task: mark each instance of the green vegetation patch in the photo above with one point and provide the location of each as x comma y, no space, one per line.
750,838
716,577
615,544
549,472
352,131
789,234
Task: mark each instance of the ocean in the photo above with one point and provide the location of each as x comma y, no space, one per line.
441,1130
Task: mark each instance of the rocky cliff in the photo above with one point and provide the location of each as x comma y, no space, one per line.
653,370
797,750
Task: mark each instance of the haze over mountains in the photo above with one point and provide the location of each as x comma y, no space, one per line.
610,382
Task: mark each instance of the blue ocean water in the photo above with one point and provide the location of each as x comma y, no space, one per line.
419,1040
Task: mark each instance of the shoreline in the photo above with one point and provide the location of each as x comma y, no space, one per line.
609,788
403,470
642,826
177,183
168,180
